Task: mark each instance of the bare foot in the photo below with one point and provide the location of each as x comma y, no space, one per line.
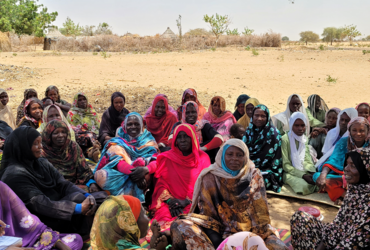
156,229
161,243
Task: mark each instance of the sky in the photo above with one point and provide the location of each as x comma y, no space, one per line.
149,17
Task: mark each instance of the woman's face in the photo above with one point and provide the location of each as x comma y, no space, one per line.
299,127
191,114
240,108
343,122
35,111
53,94
358,133
189,98
159,109
317,103
47,103
259,118
234,158
350,172
249,109
37,147
4,98
363,111
183,142
216,109
81,102
118,103
53,114
332,119
31,95
133,126
143,222
59,137
295,104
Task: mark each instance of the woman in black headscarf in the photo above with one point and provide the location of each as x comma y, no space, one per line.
112,118
58,203
239,106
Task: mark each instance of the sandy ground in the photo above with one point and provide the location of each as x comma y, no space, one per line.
271,77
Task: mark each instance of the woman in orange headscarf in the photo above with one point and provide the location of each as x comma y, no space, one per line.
191,95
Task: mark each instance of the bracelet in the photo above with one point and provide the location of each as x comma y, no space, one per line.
168,247
167,201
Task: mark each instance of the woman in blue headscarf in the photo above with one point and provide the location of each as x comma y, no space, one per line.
128,160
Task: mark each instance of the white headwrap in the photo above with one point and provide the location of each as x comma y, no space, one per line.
333,134
284,117
297,156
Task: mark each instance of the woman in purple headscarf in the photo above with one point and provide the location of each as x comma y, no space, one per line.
27,226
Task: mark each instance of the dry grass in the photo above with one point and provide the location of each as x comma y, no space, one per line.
5,45
155,44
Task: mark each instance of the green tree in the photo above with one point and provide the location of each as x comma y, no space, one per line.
103,29
329,34
368,38
285,38
233,32
88,30
25,17
247,31
351,32
219,24
309,36
198,32
70,28
339,35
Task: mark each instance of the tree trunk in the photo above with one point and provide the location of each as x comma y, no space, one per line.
306,42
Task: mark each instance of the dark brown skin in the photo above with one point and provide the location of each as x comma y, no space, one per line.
259,118
59,138
35,111
191,114
216,109
53,114
133,126
118,104
48,102
160,109
189,98
81,102
234,158
249,109
241,108
241,132
53,94
295,104
37,147
31,95
318,103
363,111
343,123
143,222
331,123
4,98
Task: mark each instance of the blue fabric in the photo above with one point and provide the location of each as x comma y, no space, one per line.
91,181
78,209
87,194
223,163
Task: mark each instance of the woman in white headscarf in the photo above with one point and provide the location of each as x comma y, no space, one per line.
281,120
297,161
6,114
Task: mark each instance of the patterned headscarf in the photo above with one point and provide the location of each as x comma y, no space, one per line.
358,120
20,112
27,115
311,101
84,119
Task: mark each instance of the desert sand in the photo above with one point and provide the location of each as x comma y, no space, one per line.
271,77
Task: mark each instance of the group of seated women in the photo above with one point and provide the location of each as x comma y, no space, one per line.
201,176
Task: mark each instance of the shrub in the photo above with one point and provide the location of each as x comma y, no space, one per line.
330,79
255,52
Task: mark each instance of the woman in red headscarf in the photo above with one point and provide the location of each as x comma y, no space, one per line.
177,172
160,121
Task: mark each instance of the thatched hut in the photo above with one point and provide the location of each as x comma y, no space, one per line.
51,38
168,34
5,45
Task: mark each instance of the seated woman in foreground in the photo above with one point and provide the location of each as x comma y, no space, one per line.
350,228
86,124
66,156
297,161
160,121
6,113
248,109
239,106
231,197
112,118
281,120
28,94
177,172
209,139
128,161
53,93
51,113
187,96
27,226
220,118
318,135
33,110
264,143
329,175
58,203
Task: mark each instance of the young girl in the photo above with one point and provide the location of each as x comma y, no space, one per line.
6,114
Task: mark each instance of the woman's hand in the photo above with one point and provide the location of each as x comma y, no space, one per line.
308,178
321,182
138,174
176,212
94,188
2,228
2,143
61,246
89,206
176,203
321,246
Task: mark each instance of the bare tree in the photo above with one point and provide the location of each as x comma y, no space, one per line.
178,21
